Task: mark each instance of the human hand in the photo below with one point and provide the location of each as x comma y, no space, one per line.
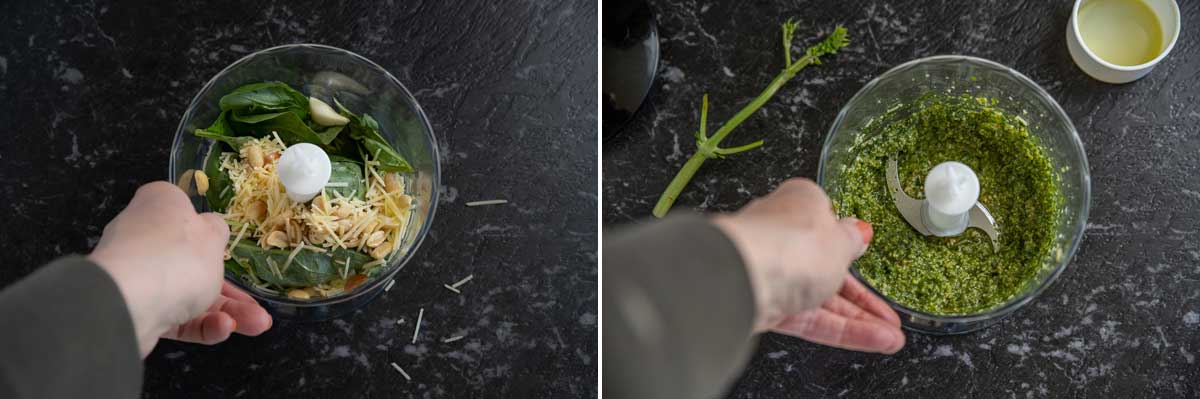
797,254
167,261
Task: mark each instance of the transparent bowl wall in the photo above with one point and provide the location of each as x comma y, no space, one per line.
364,87
1017,95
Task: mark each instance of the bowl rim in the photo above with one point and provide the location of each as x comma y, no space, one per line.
398,262
1085,183
1074,22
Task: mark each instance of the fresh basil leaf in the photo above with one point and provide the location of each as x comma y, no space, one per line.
357,260
307,269
345,147
233,267
365,129
220,130
389,159
266,97
220,187
361,127
290,127
234,141
256,118
349,173
221,125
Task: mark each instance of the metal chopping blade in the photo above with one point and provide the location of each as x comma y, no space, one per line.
910,209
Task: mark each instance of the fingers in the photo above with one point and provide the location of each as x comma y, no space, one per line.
210,328
857,294
856,234
825,327
216,224
804,194
232,292
251,318
160,193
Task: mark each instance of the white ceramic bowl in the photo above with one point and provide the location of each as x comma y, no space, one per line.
1104,71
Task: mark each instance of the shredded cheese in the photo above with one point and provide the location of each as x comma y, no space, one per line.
417,330
487,202
292,256
456,291
389,286
260,206
452,339
397,367
241,233
463,281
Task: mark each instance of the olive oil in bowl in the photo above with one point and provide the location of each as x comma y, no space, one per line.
1121,32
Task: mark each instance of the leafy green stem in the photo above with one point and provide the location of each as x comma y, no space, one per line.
707,147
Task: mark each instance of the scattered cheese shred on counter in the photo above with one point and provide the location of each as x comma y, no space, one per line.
389,285
452,339
487,202
456,291
417,330
463,281
397,367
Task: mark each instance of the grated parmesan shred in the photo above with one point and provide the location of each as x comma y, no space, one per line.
487,202
319,229
397,367
417,330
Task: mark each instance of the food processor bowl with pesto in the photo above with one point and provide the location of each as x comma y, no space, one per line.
1033,176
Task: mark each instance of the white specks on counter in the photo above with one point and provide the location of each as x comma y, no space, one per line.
1191,318
588,319
727,72
70,75
1021,350
447,194
776,354
673,75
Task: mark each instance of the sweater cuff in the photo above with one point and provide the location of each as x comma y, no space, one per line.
681,291
68,333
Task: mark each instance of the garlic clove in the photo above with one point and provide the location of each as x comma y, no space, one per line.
324,115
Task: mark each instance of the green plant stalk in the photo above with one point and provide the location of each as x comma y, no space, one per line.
708,147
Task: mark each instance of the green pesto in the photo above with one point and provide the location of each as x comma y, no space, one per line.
955,275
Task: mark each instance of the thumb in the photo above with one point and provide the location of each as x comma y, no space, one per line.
858,235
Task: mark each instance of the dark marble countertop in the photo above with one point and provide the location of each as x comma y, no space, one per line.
92,93
1122,321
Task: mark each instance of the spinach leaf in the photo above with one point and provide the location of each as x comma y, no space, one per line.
265,97
389,159
351,174
220,187
307,269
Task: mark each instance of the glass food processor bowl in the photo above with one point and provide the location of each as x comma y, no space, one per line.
363,86
1017,95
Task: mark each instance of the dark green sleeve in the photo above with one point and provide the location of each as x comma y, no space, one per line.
678,310
67,334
